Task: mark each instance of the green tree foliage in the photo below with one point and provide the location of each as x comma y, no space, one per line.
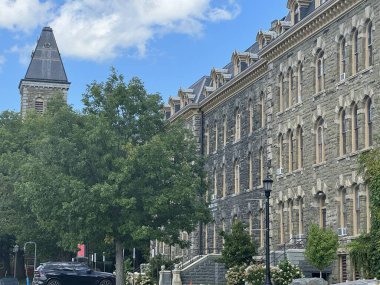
370,167
360,254
111,174
321,247
238,246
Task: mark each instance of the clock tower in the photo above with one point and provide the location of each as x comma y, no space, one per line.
45,77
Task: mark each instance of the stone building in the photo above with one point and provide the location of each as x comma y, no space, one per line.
301,105
45,77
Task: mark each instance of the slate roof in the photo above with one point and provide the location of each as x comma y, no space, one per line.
46,63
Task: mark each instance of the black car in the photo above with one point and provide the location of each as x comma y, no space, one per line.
70,273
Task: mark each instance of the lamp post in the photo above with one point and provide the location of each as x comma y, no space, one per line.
15,250
267,188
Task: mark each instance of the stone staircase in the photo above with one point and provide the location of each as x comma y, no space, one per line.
205,270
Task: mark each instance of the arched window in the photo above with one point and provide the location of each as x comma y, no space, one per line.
250,107
237,125
214,237
290,88
368,46
320,141
342,58
237,176
299,82
322,210
355,51
39,105
355,128
290,151
216,136
224,130
299,147
281,92
342,133
368,122
320,72
262,110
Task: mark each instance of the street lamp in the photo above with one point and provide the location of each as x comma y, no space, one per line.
268,189
15,250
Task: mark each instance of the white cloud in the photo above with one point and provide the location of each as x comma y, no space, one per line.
24,15
98,29
2,59
24,53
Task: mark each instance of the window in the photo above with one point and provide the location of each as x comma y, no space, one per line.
322,210
261,165
250,125
250,224
262,228
356,211
39,105
299,147
290,88
320,141
343,268
368,122
290,151
215,184
216,136
250,171
206,239
262,110
282,232
300,216
281,92
214,236
299,82
280,151
223,230
296,14
237,125
355,128
355,51
224,186
290,218
224,130
207,138
343,209
342,59
320,72
342,133
237,176
368,46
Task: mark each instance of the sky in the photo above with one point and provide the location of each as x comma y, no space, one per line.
168,44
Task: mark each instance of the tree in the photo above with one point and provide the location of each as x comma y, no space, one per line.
370,167
111,174
321,247
238,246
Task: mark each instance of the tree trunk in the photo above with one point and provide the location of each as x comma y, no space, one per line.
120,279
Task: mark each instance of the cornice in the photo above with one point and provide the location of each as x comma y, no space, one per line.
185,113
238,83
321,17
64,86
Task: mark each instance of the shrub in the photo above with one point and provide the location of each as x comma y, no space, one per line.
285,273
255,274
235,275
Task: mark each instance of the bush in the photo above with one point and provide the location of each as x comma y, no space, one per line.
285,273
235,275
255,274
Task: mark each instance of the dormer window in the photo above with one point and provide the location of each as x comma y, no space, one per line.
296,14
297,9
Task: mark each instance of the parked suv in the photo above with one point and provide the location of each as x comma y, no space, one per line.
70,273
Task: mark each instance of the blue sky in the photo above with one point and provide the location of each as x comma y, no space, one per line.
167,43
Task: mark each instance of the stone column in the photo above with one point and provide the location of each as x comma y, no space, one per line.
176,276
165,276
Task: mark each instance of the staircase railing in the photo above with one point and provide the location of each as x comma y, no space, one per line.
292,243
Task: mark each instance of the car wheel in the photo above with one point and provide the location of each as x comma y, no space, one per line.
54,282
105,282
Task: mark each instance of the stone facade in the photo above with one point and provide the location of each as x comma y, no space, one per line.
308,139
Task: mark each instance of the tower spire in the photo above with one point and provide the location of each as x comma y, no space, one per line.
45,77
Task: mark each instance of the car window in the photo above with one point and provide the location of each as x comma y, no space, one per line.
81,267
